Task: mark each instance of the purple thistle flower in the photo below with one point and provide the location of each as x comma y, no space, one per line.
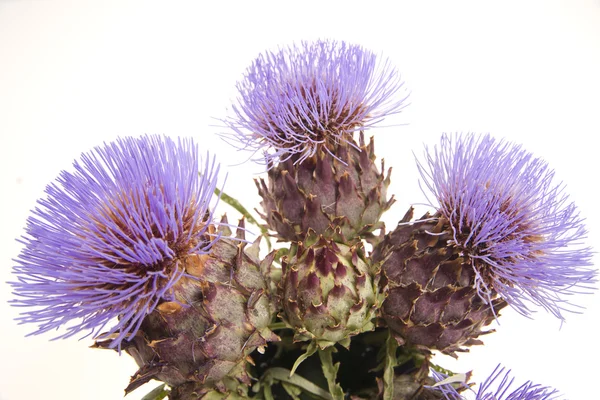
301,97
527,391
519,230
486,391
106,243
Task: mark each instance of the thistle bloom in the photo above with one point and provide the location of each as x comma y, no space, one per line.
488,390
511,221
104,245
294,100
527,391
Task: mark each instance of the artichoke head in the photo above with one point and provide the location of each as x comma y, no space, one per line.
328,291
431,298
336,189
200,341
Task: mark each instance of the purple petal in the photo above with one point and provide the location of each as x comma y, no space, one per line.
300,97
102,248
523,236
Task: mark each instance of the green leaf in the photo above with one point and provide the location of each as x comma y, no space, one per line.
281,253
293,390
268,393
242,210
310,350
330,371
391,345
158,393
213,395
256,387
285,375
278,325
441,369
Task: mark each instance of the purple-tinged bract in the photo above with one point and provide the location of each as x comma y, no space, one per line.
491,390
328,291
431,299
314,94
104,247
519,230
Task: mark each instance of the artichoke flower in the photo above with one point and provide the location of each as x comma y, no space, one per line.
521,234
103,249
503,233
126,248
126,245
299,108
200,342
328,291
311,96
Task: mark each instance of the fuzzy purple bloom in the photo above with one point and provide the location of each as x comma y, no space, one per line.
105,243
518,228
294,100
488,390
527,391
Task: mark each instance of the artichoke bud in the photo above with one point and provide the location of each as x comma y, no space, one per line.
328,291
219,313
338,187
431,298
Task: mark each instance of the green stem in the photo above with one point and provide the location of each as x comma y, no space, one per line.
277,325
158,393
330,371
242,210
283,375
391,360
310,350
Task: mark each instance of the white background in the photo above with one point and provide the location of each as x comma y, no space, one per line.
76,74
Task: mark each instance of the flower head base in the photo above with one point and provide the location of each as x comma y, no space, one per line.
107,241
486,391
316,94
510,220
328,291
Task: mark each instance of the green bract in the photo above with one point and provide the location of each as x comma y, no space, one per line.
328,291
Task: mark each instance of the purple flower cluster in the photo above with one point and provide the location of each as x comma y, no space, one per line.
103,248
131,231
519,230
490,390
527,391
294,100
